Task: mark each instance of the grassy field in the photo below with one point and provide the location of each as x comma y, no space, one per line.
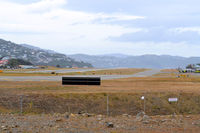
177,75
124,96
27,74
99,72
129,85
110,72
169,70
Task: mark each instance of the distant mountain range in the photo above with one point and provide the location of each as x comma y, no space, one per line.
40,56
144,61
37,55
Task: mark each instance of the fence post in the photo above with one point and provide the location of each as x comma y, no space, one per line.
21,104
69,109
107,105
144,104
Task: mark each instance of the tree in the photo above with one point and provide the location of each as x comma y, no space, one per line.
13,63
58,66
190,66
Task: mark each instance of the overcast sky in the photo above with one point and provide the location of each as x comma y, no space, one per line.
133,27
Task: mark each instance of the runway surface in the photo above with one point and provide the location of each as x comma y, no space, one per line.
59,71
59,78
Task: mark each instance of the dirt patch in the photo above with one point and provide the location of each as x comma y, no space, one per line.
80,123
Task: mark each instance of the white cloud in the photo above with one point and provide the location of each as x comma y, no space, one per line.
186,29
117,17
48,24
45,4
50,18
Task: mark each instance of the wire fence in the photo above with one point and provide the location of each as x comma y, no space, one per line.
104,103
114,104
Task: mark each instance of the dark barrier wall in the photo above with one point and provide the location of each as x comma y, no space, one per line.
81,80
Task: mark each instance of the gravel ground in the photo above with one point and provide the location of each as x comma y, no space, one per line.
88,123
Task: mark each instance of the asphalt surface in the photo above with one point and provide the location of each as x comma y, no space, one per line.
59,71
59,78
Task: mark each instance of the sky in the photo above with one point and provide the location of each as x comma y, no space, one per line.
133,27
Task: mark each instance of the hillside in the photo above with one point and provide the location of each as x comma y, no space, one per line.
37,56
144,61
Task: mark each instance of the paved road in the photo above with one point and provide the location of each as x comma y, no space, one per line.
59,78
64,70
60,70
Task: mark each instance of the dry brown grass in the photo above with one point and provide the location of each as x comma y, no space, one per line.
123,93
109,72
169,70
171,75
98,72
27,74
176,75
3,109
130,85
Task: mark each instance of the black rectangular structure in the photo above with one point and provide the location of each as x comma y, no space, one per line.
81,80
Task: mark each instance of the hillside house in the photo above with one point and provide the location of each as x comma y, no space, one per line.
28,67
3,63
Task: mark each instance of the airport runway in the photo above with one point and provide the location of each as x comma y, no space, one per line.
59,71
65,70
59,78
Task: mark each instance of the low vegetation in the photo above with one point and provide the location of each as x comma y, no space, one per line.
119,103
21,72
109,72
27,74
13,63
124,96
